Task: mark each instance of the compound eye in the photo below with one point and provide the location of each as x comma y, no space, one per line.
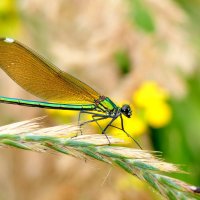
126,110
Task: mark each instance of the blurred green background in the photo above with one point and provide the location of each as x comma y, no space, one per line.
120,48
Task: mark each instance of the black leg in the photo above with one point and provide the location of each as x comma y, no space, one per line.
122,124
101,116
94,113
107,126
94,118
86,112
79,118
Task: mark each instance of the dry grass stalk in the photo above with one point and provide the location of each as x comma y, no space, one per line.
144,164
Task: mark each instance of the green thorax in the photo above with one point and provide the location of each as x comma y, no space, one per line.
106,104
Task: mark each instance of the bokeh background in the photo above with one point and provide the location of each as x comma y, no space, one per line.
143,52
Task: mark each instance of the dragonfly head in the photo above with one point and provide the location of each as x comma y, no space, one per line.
126,110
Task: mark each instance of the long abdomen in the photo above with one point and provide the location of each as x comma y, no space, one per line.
48,105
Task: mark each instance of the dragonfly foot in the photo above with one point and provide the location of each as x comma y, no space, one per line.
109,143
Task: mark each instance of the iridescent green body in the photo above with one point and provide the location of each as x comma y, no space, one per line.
48,105
108,104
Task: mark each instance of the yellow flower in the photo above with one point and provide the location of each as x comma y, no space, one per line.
151,99
158,115
149,94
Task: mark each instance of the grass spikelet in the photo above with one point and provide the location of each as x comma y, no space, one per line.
29,135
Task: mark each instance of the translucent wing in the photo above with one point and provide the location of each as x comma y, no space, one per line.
41,78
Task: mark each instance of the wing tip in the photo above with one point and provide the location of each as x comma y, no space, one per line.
7,40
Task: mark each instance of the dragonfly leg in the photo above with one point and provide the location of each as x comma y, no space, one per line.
87,112
97,117
79,118
94,118
103,130
122,125
93,113
107,126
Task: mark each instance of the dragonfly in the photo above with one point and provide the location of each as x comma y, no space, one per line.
58,89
